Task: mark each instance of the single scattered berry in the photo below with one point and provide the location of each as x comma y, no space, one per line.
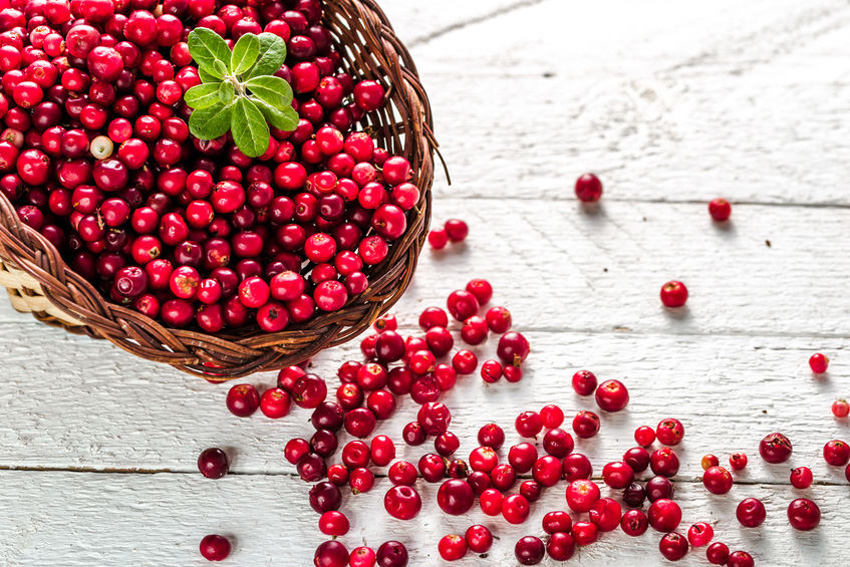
803,514
818,363
775,448
836,453
717,480
215,548
674,294
452,547
738,461
213,463
664,515
700,534
529,550
751,512
588,188
479,539
584,382
802,477
740,559
709,461
720,209
717,553
673,546
840,408
612,396
670,432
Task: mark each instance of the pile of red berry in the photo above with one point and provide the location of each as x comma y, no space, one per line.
97,156
492,475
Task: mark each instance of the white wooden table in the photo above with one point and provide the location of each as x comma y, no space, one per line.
672,103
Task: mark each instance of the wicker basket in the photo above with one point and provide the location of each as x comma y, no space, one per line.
39,281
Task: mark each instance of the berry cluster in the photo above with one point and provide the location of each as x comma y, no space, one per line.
97,156
397,366
491,476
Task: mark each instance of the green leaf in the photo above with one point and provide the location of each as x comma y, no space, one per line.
271,57
211,122
226,92
219,68
285,119
202,96
249,128
272,90
245,53
207,47
206,77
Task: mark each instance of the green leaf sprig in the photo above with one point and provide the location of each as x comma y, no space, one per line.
239,91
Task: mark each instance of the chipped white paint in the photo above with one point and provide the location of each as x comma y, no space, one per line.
671,102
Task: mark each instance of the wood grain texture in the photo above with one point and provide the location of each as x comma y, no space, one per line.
84,519
669,103
673,104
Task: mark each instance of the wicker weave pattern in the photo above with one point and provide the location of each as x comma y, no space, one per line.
39,281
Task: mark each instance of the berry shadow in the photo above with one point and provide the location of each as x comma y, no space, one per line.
678,313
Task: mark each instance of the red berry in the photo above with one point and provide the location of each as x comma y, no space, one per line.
673,546
664,515
243,400
585,533
717,480
836,453
392,554
606,514
700,534
618,474
751,512
452,547
584,382
577,467
634,523
555,522
818,363
215,548
738,461
528,424
801,477
491,501
717,553
674,294
275,403
588,188
720,210
513,349
709,461
581,494
529,550
775,448
670,432
333,523
479,539
840,408
515,509
213,463
498,319
586,424
455,497
402,502
740,559
803,514
331,554
664,462
438,239
456,230
644,436
612,396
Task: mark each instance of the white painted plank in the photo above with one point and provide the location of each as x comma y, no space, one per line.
93,407
667,102
79,519
560,267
